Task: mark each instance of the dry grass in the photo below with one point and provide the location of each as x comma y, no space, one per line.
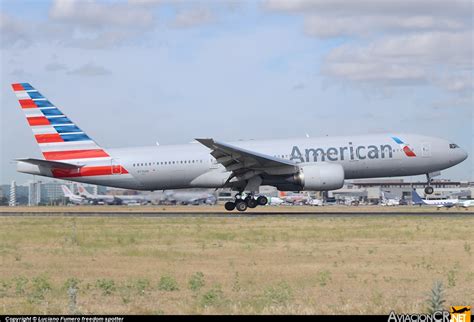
286,265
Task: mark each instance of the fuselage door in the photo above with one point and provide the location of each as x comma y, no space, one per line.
425,149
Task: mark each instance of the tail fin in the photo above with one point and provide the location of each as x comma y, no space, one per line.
415,197
57,136
66,191
83,191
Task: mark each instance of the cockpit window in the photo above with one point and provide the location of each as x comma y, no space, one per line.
453,146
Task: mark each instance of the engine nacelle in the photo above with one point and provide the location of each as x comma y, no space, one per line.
321,176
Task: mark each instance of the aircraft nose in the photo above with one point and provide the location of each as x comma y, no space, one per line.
462,155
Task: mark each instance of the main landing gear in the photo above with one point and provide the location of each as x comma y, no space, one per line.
429,189
241,204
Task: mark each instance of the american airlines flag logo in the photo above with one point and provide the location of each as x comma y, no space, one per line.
405,147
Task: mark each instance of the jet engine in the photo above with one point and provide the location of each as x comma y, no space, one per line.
319,177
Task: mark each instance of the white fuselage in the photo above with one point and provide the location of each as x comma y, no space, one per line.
192,166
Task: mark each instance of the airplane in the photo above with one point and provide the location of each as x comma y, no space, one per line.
440,203
303,164
110,199
465,203
275,201
351,201
189,197
293,198
389,201
72,198
314,202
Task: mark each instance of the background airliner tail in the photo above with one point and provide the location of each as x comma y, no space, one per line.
416,198
67,193
57,136
83,191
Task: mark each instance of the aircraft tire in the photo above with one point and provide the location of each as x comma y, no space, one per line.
429,190
229,206
262,200
252,203
241,205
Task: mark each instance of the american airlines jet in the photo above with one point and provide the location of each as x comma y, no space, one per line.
312,164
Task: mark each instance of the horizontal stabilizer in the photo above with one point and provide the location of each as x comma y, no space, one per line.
51,164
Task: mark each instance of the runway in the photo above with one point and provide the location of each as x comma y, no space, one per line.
272,214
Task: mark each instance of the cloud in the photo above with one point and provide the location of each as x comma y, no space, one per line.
192,17
146,2
90,70
329,26
93,24
104,40
387,43
419,58
101,25
19,72
85,24
12,32
91,14
54,67
299,86
454,8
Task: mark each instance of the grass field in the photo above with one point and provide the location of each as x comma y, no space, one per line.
322,265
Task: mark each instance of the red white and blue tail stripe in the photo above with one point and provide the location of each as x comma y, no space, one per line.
61,140
57,136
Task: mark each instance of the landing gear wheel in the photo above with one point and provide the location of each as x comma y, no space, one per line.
241,205
229,206
429,190
252,203
262,200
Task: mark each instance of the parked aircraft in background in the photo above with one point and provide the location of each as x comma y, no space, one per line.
307,164
111,199
465,203
71,197
294,198
389,201
189,198
275,201
440,203
315,202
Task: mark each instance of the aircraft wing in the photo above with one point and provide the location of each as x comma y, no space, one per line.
245,163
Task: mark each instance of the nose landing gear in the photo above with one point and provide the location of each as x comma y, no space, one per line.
241,204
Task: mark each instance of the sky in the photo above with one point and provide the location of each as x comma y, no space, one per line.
138,72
